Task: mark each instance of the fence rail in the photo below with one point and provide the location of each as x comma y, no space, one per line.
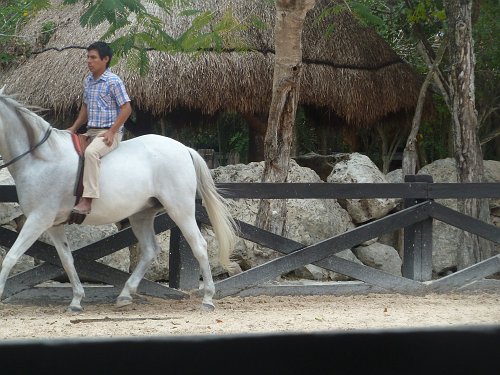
415,190
418,193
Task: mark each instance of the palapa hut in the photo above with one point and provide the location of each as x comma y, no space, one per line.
352,75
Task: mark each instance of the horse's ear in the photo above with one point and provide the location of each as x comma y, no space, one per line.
1,90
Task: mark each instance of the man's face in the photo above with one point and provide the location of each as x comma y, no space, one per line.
96,65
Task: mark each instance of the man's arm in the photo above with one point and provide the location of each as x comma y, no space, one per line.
125,111
80,120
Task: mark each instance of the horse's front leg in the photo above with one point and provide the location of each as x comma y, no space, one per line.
33,228
58,237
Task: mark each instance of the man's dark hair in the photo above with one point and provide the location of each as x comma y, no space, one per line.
103,49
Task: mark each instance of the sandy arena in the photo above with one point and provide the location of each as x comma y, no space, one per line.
263,314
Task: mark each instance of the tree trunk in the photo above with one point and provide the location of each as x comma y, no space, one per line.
388,150
410,151
467,150
290,16
385,148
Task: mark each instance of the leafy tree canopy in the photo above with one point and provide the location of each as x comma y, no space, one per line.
13,14
133,28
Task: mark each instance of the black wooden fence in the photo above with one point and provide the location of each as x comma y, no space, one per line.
416,219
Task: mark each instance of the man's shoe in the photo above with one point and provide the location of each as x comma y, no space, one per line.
80,211
82,208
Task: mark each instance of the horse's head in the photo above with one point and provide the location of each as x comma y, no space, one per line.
21,130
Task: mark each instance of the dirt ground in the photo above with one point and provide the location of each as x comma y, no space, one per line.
263,314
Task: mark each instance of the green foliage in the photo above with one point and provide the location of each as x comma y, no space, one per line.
434,135
307,140
48,29
486,37
365,15
427,12
13,14
199,136
257,22
360,10
227,133
140,31
487,49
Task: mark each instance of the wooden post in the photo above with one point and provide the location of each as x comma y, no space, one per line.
208,154
417,252
8,193
184,269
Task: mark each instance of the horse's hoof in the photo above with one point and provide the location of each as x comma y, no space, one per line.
207,306
75,309
123,301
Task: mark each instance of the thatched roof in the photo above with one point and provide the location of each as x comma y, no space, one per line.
353,73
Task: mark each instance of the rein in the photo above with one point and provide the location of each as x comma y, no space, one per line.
45,137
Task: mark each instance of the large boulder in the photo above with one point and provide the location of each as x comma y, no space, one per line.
357,168
395,176
446,238
308,220
324,219
380,256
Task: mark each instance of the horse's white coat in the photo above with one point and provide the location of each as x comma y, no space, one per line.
134,178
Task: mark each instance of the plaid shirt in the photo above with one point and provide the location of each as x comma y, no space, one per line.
103,98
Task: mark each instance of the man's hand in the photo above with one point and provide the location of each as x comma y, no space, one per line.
80,120
109,137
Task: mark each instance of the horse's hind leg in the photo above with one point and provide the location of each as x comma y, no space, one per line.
142,226
191,232
58,237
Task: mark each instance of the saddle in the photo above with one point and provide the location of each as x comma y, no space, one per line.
80,141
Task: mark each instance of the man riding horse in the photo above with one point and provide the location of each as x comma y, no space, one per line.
105,108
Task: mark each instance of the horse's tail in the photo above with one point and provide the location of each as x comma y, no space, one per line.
222,222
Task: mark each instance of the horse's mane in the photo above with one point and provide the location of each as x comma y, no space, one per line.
34,124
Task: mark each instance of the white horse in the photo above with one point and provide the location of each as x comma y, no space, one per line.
143,176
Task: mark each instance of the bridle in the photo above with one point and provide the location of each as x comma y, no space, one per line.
45,137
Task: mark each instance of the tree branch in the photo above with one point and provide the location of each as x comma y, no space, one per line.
438,76
490,137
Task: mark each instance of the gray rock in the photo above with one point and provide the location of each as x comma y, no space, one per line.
308,221
357,168
381,257
312,272
446,239
395,176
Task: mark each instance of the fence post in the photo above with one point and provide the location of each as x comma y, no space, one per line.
208,154
417,251
184,269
